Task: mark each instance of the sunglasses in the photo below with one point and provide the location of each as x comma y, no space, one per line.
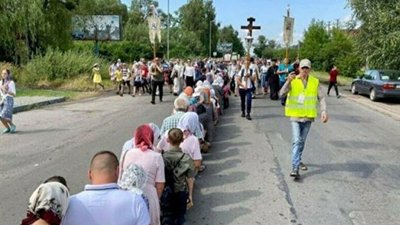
303,68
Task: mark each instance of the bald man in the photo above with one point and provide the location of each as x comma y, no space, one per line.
102,201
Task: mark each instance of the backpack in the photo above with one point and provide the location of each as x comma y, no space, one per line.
169,183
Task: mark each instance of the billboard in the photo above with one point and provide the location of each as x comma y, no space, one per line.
96,27
224,47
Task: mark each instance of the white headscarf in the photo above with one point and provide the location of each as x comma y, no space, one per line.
219,81
189,122
156,132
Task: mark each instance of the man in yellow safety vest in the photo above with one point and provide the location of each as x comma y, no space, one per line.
303,92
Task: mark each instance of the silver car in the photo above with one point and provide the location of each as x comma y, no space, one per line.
378,84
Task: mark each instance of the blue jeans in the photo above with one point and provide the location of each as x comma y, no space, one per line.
299,132
245,99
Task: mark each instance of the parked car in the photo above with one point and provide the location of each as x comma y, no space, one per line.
378,84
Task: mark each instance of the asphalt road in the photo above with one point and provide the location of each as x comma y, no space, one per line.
353,176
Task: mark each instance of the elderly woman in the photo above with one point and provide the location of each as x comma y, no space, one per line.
7,93
152,162
48,203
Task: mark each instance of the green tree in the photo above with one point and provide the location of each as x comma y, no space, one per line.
260,46
230,35
198,16
29,27
315,37
378,37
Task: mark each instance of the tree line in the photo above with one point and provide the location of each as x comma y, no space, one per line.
31,27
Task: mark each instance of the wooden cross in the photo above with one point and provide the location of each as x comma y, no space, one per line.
250,26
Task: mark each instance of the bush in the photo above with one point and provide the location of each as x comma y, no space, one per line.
56,68
349,65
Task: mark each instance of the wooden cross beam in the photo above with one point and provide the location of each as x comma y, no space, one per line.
250,26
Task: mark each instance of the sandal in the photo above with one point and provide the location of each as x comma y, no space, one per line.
202,168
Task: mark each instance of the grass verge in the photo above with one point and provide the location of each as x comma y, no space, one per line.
324,78
68,94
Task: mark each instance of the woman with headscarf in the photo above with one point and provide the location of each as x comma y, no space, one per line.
152,162
133,179
130,144
7,94
48,203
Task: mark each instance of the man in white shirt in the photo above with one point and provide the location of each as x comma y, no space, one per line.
245,81
103,202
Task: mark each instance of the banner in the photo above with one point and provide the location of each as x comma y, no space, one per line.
154,25
288,30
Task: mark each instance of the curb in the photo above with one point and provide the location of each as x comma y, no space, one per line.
27,107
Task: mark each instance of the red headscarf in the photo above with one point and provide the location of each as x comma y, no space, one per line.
144,137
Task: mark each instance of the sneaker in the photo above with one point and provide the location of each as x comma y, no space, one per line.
248,117
303,166
243,115
7,130
152,102
12,129
294,173
338,96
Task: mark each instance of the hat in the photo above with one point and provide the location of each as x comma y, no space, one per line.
95,65
305,63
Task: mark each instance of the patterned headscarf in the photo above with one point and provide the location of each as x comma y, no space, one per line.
189,122
49,197
133,179
144,137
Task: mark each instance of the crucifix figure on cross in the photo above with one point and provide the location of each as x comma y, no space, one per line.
250,27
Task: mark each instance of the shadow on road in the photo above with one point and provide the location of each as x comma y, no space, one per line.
359,169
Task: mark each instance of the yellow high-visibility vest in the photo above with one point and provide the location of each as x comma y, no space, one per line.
302,102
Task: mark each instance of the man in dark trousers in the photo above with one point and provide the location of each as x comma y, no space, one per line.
157,80
333,80
273,80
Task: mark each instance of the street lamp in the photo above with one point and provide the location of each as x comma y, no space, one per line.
209,50
168,33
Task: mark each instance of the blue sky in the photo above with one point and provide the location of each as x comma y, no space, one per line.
269,14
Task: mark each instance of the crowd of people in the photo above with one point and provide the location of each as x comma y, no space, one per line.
153,180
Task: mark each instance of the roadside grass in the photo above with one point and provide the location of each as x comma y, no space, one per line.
74,90
324,78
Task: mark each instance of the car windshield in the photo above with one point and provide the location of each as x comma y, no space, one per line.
390,75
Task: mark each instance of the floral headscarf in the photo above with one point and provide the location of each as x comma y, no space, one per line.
133,179
144,137
51,199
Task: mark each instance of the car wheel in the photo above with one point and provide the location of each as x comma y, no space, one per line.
353,89
372,95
